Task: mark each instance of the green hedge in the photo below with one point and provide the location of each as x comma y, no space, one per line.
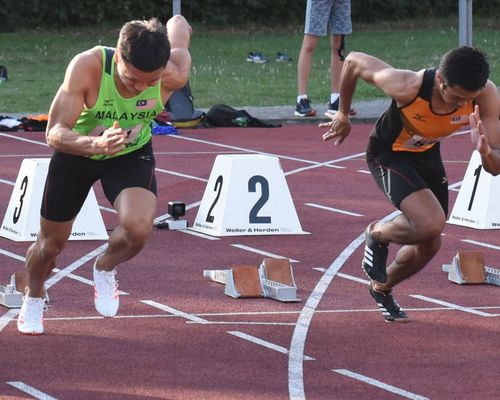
216,13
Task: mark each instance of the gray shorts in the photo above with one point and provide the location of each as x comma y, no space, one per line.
328,16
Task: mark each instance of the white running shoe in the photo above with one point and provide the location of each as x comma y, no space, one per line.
106,297
30,319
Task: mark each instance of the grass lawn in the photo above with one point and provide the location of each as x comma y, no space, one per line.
36,60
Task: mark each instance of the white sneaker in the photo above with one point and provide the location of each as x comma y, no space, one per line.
106,297
30,319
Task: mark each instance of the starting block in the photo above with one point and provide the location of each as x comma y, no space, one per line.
11,296
272,279
467,267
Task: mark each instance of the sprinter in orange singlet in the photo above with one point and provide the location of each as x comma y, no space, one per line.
404,157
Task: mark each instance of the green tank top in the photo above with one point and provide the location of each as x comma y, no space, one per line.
134,115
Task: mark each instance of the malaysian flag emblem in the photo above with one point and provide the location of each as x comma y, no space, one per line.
459,119
145,104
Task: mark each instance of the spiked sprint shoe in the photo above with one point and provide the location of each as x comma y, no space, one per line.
30,319
106,297
388,305
375,258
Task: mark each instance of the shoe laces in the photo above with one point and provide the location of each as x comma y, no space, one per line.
108,278
34,308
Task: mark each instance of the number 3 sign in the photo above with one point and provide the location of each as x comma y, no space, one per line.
247,194
477,205
22,218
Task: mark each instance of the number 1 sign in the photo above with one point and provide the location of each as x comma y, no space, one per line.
247,194
477,205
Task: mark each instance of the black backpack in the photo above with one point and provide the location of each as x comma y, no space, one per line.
226,116
181,110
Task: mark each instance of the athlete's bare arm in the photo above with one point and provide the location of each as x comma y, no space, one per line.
485,125
81,85
400,85
176,73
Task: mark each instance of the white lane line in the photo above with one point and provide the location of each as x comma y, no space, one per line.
189,231
296,355
37,394
264,343
451,305
182,153
315,164
73,266
454,186
346,276
12,255
108,209
324,164
243,149
334,210
381,385
165,171
243,323
26,140
83,280
364,171
8,316
189,317
264,253
25,155
7,182
67,274
482,244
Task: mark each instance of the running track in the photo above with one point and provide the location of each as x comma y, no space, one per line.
177,336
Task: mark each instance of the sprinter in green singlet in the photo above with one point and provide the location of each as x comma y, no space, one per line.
404,158
99,129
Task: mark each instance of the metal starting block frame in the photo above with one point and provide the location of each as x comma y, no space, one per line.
272,279
11,296
467,267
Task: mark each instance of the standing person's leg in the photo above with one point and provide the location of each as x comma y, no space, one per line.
340,25
316,21
336,63
304,64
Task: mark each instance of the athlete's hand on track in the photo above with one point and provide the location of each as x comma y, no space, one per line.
478,133
112,140
339,129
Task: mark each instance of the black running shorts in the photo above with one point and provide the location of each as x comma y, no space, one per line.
70,178
398,174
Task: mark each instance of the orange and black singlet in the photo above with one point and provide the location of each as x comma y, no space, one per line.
415,127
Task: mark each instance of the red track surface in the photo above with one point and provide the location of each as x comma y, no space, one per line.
211,346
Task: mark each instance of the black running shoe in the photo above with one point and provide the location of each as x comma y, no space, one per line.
388,305
304,109
334,107
375,258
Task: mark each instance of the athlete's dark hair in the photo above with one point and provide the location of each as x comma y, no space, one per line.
144,44
466,67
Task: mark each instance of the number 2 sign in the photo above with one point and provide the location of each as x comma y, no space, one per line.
247,194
